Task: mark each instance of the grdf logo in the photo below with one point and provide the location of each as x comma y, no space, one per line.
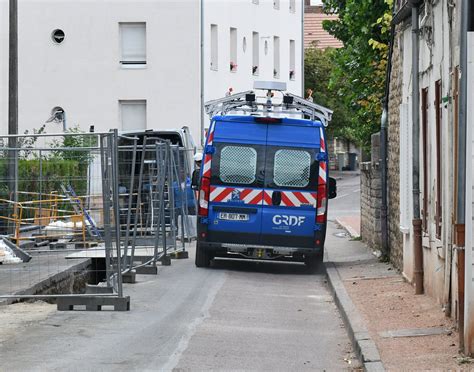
288,220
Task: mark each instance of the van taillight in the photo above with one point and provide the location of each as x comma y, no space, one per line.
322,204
204,192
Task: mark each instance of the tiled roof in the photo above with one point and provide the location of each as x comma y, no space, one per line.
314,34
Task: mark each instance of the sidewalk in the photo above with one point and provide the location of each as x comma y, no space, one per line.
389,325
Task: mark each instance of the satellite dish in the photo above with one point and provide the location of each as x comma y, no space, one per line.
58,115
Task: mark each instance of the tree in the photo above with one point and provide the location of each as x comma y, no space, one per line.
318,70
358,71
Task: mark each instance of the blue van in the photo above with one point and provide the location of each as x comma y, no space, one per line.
264,183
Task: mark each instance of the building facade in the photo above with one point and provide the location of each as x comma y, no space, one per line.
438,74
314,33
139,64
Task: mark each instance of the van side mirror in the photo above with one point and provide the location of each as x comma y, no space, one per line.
195,179
332,192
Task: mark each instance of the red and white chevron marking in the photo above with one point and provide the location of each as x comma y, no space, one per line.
322,164
292,198
206,167
247,196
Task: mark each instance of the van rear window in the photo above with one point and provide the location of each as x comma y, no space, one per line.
291,168
238,165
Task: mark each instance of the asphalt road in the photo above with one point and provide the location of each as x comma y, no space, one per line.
236,315
347,202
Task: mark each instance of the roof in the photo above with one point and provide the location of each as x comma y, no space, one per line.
315,35
251,119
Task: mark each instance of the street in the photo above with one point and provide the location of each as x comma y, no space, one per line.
235,315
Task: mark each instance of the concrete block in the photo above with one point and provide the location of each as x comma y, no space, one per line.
165,260
129,277
57,246
93,303
147,270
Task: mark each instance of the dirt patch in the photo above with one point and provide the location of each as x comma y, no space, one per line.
389,304
18,317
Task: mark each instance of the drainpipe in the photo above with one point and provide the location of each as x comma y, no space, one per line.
417,241
201,135
302,50
461,184
383,149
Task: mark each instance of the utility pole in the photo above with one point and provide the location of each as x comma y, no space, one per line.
13,99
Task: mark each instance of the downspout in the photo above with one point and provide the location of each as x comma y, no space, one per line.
383,148
302,50
461,176
417,239
202,139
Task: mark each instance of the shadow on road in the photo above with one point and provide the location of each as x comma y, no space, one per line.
266,267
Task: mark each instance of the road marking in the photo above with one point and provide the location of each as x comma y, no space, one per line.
341,196
193,326
358,190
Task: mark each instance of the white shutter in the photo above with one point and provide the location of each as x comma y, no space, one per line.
133,43
133,115
405,168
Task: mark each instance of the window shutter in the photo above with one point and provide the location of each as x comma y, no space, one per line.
133,115
133,38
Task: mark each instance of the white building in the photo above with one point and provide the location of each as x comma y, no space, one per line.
139,64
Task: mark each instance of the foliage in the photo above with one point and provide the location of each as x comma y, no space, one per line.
318,70
358,74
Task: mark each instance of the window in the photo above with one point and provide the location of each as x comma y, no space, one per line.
238,165
233,49
292,168
426,165
276,4
292,59
255,52
439,175
292,6
214,47
316,2
133,44
276,57
58,36
133,115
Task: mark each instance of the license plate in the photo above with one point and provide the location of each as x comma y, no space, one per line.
234,216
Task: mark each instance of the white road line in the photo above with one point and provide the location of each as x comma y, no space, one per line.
341,196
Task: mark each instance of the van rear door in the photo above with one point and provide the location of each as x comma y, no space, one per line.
291,183
237,178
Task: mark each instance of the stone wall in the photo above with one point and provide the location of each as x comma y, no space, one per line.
371,197
395,237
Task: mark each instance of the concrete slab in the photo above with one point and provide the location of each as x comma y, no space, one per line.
417,332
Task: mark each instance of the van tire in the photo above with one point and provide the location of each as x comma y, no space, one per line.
203,257
313,262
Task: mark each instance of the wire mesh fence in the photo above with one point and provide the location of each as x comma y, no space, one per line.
58,216
156,200
81,212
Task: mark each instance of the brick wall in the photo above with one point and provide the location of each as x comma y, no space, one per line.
395,237
371,197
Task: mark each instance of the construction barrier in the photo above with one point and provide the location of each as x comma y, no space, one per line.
60,220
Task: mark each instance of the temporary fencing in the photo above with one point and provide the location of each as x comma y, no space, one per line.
155,202
80,213
59,217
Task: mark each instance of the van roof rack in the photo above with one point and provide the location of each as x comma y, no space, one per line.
248,102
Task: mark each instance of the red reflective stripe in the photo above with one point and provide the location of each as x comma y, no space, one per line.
223,195
267,198
245,193
257,199
286,200
302,199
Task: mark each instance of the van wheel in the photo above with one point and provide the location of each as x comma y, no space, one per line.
313,262
203,258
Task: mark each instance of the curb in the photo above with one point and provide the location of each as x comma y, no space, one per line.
349,229
363,345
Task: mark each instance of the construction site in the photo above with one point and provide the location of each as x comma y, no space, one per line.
83,213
